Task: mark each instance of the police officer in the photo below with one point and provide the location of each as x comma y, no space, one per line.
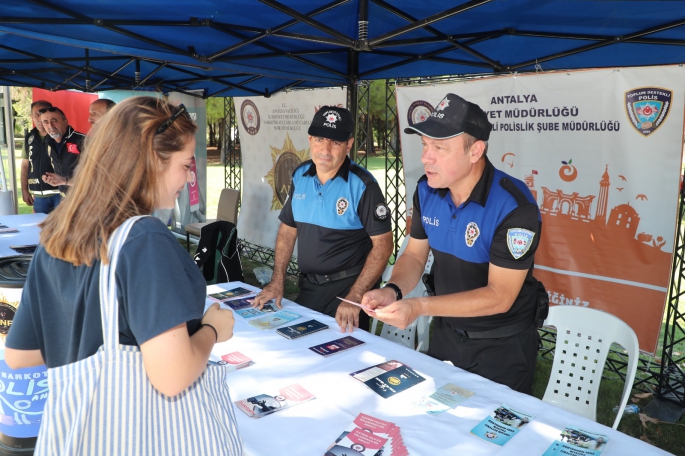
483,227
338,213
35,162
64,147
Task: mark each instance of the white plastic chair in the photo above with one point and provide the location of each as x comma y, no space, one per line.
584,337
419,329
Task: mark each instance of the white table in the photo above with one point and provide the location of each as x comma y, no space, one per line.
309,428
29,232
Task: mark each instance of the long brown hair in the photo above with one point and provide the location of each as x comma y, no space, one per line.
116,178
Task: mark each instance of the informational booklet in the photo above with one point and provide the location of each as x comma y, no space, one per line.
251,312
301,329
336,346
577,442
234,361
368,435
501,425
444,398
265,404
274,320
229,294
388,378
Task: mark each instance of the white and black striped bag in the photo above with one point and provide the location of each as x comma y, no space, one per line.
105,404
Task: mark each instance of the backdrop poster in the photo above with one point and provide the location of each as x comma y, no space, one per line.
273,142
601,152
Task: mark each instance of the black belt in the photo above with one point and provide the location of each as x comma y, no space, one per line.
320,279
498,333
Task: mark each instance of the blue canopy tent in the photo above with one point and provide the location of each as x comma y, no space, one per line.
259,47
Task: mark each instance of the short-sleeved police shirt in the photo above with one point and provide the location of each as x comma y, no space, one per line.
334,221
499,223
158,285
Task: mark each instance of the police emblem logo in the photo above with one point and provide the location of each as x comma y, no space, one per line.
341,205
472,233
381,212
249,115
519,241
418,112
647,108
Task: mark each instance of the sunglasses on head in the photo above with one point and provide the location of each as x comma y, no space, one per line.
44,110
167,123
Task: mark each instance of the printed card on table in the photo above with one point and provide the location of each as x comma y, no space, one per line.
230,294
444,398
265,404
501,425
274,320
577,442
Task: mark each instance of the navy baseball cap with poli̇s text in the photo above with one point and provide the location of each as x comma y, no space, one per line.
452,117
332,122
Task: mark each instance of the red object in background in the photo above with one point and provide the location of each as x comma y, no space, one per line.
74,105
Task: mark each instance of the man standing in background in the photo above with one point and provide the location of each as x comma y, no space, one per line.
35,163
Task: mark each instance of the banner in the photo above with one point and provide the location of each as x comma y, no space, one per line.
273,142
601,152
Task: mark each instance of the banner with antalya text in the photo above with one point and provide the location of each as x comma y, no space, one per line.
601,152
273,142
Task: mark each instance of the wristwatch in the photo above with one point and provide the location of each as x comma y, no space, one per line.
398,292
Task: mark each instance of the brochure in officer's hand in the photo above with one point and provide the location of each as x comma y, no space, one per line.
274,320
501,425
301,329
388,378
578,443
264,404
336,346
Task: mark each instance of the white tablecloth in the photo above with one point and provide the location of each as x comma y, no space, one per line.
27,224
310,428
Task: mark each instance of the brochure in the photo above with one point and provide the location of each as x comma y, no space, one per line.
501,425
578,443
364,436
301,329
264,404
234,361
389,378
274,320
444,398
336,346
229,294
251,312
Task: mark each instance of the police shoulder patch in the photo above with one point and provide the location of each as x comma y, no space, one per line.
341,205
381,212
519,241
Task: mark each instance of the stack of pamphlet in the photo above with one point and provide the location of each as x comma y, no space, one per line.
301,329
336,346
444,398
369,436
264,404
501,425
578,443
388,378
274,320
230,294
234,361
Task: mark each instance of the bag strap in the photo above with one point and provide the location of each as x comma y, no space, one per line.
109,306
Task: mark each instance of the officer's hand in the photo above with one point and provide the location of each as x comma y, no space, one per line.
273,290
376,299
400,314
27,197
347,316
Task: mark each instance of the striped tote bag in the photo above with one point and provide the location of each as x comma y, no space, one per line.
105,404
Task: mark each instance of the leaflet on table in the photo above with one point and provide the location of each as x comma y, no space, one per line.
365,435
274,320
264,404
251,312
501,425
229,294
234,361
388,378
336,346
444,398
301,329
578,443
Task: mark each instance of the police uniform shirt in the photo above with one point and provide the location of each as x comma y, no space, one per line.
499,223
334,221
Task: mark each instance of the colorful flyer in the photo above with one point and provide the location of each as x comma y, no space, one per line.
501,425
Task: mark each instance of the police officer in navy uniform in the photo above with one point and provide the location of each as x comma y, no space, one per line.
64,147
337,212
35,163
483,227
